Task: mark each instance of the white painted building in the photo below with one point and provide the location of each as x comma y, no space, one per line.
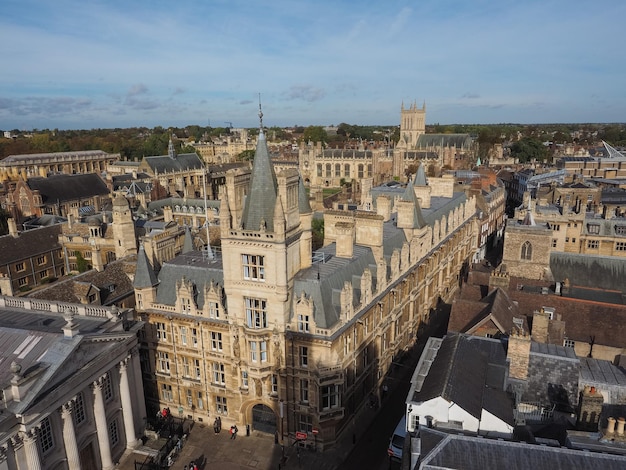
458,384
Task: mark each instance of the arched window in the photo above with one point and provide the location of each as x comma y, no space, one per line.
527,251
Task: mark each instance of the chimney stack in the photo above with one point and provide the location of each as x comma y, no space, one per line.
345,239
12,227
518,355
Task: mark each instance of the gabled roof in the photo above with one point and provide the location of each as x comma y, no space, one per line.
29,243
261,199
468,371
467,315
110,284
165,164
144,273
61,188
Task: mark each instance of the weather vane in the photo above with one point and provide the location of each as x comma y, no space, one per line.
260,112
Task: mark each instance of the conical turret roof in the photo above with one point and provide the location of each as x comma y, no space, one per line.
144,274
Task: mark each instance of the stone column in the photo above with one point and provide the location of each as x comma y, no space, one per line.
138,388
102,429
69,437
127,406
32,450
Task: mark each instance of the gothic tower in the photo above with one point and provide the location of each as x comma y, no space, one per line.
412,125
123,227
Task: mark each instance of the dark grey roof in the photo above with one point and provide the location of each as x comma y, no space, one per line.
467,370
29,243
192,266
144,273
609,272
323,282
444,140
457,375
598,371
420,176
188,241
409,196
261,199
68,187
455,451
183,162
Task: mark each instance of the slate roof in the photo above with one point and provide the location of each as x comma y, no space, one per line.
609,272
29,243
68,187
455,451
596,370
446,140
468,371
182,162
261,199
497,306
192,266
112,284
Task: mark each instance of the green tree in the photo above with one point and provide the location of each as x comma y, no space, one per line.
529,148
81,263
246,155
317,226
315,134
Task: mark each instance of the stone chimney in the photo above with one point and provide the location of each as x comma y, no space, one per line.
12,227
423,194
610,427
383,207
6,287
620,426
589,409
499,279
518,355
345,239
541,323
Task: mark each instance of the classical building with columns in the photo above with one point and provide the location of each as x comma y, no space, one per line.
269,334
70,377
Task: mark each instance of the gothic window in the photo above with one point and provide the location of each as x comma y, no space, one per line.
337,169
360,173
304,356
329,397
253,267
256,313
219,376
346,170
527,251
221,406
166,392
216,341
304,390
369,170
186,369
328,170
303,323
200,401
183,335
319,169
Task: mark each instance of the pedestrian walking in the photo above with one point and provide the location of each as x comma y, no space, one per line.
235,431
232,432
215,426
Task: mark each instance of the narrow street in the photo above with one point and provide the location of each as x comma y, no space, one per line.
370,452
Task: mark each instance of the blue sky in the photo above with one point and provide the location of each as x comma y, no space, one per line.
110,63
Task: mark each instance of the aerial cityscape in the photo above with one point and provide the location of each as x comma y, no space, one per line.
319,236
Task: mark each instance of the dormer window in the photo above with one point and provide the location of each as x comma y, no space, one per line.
593,228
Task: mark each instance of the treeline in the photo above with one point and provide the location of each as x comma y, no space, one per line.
136,142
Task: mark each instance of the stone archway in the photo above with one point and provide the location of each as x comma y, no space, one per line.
263,419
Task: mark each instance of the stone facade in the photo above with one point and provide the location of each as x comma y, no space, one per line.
266,334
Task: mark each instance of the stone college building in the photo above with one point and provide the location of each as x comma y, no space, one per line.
267,333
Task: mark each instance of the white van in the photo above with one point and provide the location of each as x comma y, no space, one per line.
396,443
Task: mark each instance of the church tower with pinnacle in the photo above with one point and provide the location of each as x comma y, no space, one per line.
412,125
264,244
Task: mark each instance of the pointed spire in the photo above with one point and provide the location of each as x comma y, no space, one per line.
170,150
420,176
410,197
188,242
261,199
144,274
303,199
